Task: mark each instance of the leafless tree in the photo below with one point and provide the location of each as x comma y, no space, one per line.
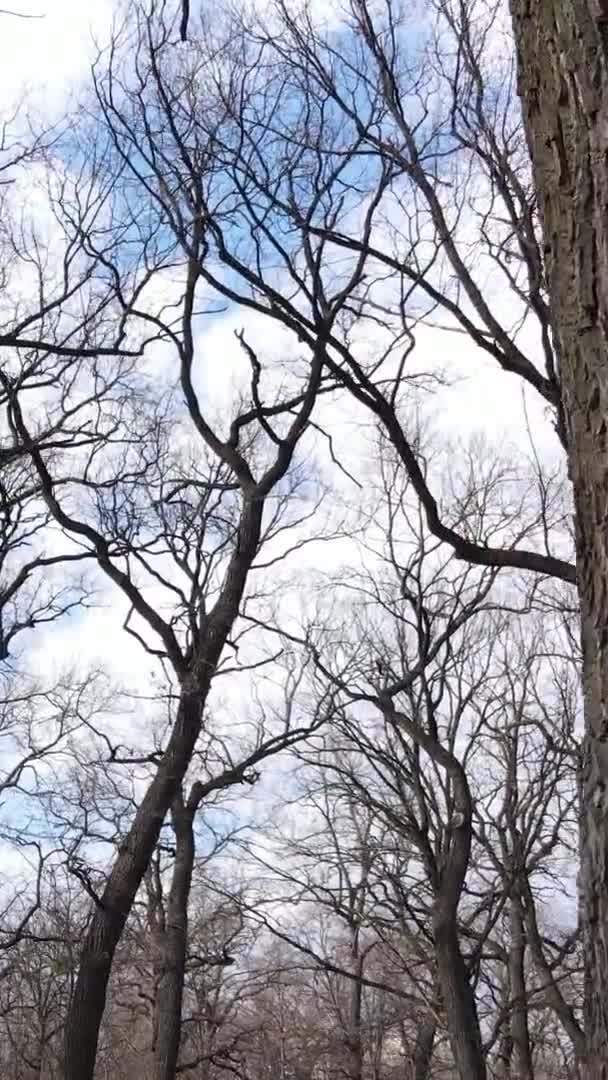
172,943
459,745
356,98
150,518
346,185
36,982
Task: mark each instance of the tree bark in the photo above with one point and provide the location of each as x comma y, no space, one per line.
505,1047
173,945
113,907
353,1041
458,998
520,1034
423,1047
108,919
562,50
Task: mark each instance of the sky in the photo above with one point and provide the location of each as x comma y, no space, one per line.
48,53
55,48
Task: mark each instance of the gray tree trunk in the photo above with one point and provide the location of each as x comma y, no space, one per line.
453,979
458,998
353,1041
173,946
562,50
423,1048
523,1068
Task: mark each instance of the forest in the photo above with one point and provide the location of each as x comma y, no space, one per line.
303,474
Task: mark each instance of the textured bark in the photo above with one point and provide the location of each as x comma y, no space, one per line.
353,1042
108,919
458,998
173,945
504,1057
423,1049
522,1067
563,80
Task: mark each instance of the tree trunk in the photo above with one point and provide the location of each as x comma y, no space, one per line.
505,1046
520,1035
112,909
458,999
563,80
173,943
353,1041
423,1048
453,980
108,919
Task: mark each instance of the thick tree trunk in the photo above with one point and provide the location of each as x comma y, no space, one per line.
563,77
173,944
111,912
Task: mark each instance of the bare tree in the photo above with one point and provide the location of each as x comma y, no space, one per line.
149,521
366,91
344,185
454,733
172,943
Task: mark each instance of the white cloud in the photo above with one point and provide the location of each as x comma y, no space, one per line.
47,53
54,53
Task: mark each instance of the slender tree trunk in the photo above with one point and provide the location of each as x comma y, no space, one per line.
353,1041
108,919
112,909
453,980
562,50
173,945
520,1034
505,1046
553,994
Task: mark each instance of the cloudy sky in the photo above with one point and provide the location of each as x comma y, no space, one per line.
48,56
51,51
